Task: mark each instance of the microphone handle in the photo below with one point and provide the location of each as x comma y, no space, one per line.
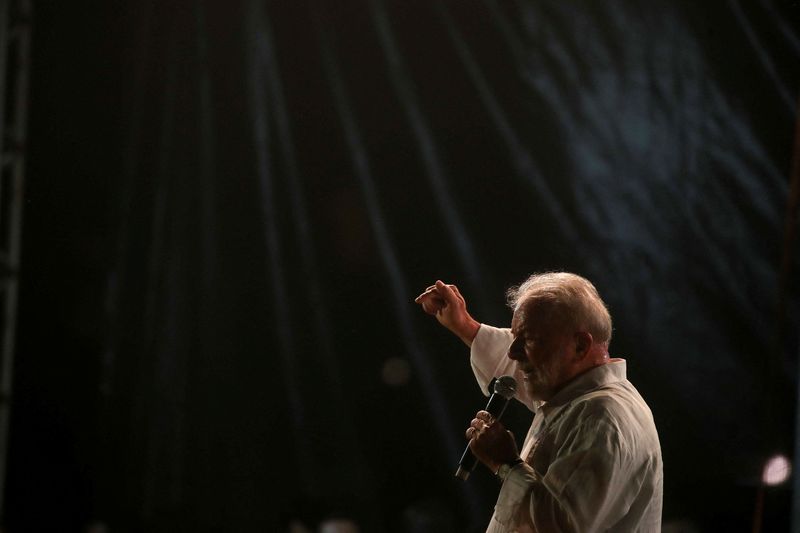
496,407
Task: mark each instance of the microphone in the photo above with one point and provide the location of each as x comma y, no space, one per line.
503,389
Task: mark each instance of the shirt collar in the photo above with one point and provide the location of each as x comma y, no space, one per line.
612,372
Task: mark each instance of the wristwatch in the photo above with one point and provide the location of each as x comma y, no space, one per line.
505,468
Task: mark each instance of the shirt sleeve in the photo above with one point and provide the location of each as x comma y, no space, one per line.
488,354
511,508
488,357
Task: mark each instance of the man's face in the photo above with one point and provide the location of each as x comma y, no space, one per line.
541,349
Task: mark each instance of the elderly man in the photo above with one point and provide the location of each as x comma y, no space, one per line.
591,460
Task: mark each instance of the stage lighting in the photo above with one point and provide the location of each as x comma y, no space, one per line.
776,470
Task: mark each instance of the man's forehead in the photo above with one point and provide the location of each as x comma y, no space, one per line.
533,312
517,320
528,306
523,313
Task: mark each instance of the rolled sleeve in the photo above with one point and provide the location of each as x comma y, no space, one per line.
513,499
488,354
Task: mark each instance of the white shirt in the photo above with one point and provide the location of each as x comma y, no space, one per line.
592,455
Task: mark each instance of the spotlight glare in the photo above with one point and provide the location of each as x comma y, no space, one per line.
777,470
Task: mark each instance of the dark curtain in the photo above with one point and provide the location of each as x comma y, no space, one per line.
231,207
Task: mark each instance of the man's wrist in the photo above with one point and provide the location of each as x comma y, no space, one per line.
468,331
504,469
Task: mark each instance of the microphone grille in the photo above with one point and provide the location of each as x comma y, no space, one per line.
505,386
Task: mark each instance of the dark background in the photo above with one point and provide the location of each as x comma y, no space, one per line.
230,207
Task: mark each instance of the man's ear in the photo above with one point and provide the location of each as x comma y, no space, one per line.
583,344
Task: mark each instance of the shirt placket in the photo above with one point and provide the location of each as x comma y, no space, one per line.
533,438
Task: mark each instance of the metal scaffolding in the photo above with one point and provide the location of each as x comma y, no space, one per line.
15,39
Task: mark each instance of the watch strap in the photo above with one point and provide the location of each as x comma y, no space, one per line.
506,468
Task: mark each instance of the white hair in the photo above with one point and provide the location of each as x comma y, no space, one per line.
572,297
